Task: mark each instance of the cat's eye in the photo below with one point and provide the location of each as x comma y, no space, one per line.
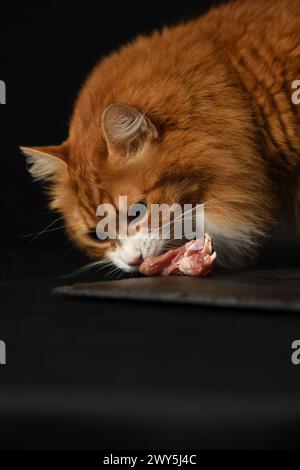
143,203
93,235
97,236
136,210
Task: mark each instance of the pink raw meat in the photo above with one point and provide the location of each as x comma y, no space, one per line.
195,258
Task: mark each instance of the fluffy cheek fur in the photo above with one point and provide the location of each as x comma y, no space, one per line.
124,254
239,214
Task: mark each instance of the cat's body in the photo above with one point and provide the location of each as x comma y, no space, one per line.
211,120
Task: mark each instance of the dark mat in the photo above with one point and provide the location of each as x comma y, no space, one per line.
84,373
262,289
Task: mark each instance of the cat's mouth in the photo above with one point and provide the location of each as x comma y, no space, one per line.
136,262
131,262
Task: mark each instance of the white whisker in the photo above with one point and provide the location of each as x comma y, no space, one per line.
100,264
45,229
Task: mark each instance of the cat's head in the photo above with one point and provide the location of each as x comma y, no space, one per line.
128,153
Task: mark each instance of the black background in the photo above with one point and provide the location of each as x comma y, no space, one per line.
46,51
114,374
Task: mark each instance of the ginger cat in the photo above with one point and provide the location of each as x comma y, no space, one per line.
199,113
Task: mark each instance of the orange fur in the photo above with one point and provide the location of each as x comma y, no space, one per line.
219,128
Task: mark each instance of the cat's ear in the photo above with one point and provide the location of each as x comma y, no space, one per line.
46,163
125,129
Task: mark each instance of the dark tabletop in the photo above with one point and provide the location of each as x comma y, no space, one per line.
105,373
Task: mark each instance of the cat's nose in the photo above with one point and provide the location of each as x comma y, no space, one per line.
136,261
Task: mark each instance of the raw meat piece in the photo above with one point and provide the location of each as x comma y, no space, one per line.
195,258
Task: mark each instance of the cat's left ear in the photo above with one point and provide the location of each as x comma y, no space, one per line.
46,163
126,130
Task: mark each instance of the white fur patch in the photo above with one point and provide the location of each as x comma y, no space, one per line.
131,251
235,246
